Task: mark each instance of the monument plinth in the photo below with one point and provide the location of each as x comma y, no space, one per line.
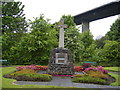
60,59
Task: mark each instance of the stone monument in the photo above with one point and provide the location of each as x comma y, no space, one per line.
60,59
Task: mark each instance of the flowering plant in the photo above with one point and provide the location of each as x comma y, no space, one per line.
99,68
43,67
78,68
86,65
33,66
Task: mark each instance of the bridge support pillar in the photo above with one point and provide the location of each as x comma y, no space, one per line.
85,26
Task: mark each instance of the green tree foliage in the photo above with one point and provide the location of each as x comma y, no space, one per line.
87,38
13,20
35,47
89,46
100,42
72,41
81,45
111,53
13,26
114,33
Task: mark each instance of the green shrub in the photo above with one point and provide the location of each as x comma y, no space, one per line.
97,74
29,75
32,77
23,71
88,79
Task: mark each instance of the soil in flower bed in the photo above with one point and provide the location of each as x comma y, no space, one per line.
110,80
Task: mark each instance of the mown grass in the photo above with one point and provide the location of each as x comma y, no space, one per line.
8,83
115,69
117,77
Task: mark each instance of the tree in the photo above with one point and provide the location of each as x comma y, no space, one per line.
114,33
13,26
100,42
72,41
111,53
80,44
35,47
13,20
87,38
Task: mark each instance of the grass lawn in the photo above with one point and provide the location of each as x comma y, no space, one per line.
8,83
117,77
115,69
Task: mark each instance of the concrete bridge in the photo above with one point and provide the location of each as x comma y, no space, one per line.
101,12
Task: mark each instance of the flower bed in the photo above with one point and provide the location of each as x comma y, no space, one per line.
29,75
33,66
78,68
97,75
88,79
99,68
91,74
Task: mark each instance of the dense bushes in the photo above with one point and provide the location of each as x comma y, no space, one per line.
33,47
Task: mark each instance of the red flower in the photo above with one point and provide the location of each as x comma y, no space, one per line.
78,68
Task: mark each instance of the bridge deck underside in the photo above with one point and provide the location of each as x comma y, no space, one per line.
104,11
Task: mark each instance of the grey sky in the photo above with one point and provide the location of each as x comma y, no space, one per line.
54,9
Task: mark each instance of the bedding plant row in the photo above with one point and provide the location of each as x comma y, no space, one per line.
91,74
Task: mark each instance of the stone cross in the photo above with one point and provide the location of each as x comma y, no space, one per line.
61,34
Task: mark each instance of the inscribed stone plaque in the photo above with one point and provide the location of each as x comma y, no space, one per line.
61,58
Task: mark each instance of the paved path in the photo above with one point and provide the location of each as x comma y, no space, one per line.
114,72
65,81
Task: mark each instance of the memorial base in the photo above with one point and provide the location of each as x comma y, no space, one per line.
60,62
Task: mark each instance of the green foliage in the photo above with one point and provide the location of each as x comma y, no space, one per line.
117,77
23,71
97,74
29,75
100,42
111,53
97,56
72,41
81,45
114,33
32,77
35,47
13,19
87,38
89,46
13,26
88,79
69,20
